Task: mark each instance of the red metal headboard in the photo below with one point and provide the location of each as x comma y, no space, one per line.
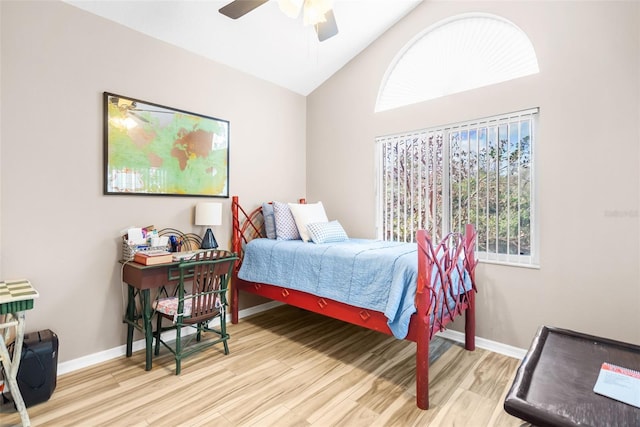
246,227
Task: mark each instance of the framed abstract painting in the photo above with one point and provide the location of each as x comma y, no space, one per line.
151,149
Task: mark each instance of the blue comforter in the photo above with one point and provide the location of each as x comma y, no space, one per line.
371,274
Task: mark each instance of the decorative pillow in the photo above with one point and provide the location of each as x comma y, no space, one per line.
327,232
286,228
269,220
307,213
169,306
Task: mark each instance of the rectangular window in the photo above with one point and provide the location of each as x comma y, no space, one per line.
478,172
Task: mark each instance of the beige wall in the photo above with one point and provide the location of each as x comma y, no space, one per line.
58,230
587,158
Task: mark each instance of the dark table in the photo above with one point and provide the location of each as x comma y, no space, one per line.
554,383
141,279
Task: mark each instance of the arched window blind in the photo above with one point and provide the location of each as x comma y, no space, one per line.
458,54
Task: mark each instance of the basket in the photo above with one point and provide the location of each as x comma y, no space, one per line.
129,251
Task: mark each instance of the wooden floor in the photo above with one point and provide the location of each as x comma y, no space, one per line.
287,367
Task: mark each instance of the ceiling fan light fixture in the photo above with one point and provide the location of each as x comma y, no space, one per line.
318,13
291,8
314,11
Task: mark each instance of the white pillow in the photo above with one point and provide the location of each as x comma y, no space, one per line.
307,213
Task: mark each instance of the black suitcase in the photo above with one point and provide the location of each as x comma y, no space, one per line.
38,369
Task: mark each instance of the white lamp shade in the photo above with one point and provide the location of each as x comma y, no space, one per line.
208,213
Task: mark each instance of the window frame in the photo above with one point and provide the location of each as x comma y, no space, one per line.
532,259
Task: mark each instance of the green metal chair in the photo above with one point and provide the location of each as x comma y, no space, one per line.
209,274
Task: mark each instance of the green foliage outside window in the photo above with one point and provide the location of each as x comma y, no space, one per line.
441,180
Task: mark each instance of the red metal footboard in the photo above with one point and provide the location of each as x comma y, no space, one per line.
247,226
440,264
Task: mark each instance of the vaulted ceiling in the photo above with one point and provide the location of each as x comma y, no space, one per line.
265,42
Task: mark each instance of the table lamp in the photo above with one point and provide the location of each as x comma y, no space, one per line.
208,214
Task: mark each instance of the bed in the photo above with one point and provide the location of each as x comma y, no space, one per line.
410,291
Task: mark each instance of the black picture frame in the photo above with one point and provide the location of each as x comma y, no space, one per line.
155,150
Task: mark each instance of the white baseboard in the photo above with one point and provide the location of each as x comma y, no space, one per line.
485,344
103,356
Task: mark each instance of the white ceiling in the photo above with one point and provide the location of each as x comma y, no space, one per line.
264,43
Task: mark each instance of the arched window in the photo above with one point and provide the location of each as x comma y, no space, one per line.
461,53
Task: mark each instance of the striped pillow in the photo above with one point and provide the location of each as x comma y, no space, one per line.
326,232
269,220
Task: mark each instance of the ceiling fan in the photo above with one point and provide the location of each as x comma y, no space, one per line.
318,13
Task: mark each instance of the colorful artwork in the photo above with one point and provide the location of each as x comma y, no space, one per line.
155,150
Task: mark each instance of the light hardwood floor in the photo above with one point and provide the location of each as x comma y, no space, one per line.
287,367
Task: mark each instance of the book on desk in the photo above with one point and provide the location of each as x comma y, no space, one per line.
153,257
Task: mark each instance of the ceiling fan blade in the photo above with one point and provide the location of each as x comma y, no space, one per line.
238,8
327,29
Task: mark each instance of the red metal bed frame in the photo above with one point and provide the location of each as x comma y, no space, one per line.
247,226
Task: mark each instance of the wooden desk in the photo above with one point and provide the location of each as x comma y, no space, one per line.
16,296
140,280
554,384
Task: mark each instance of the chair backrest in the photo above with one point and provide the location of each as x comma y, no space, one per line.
210,272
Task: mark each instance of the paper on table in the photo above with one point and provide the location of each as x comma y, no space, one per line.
619,383
135,236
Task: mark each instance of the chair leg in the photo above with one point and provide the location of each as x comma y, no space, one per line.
223,332
178,354
158,331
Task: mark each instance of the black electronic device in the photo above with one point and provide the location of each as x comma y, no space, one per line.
38,368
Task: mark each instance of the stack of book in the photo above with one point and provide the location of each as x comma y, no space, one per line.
152,257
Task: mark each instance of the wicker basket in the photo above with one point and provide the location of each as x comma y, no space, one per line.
128,251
